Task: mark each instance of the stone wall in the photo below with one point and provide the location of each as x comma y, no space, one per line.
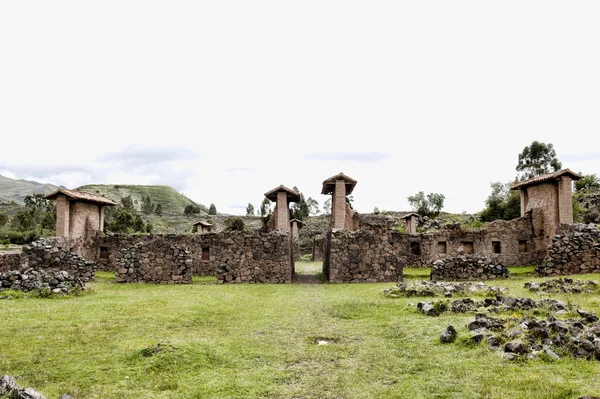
51,254
10,262
575,250
155,261
542,201
469,267
256,258
361,256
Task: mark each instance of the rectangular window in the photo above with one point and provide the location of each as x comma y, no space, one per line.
442,247
497,247
467,247
205,253
522,246
104,253
415,248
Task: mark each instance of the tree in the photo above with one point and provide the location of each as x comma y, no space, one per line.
537,159
587,183
503,203
235,223
191,209
250,210
147,205
327,206
265,207
127,203
158,210
212,210
3,219
313,206
299,210
429,206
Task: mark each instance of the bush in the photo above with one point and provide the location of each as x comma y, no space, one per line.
235,223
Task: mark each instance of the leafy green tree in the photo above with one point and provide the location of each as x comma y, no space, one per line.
537,159
235,223
265,207
587,183
127,203
327,206
429,205
23,220
49,221
299,210
149,227
147,205
313,206
250,210
212,210
191,209
3,219
158,210
503,203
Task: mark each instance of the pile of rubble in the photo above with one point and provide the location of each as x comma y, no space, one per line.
564,285
41,282
424,288
10,390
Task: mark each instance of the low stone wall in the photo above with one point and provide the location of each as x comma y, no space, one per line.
361,256
51,254
11,261
42,281
471,267
256,258
158,261
575,251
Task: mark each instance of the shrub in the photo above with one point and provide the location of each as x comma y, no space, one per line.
235,223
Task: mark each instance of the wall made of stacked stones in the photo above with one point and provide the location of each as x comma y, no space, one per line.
256,258
155,261
11,261
575,250
469,267
361,256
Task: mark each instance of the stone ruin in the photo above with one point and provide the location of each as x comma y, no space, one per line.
468,267
10,390
157,261
39,282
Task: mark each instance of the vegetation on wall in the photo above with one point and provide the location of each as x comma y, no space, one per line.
430,205
502,203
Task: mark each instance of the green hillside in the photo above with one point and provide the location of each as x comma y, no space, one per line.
17,190
171,201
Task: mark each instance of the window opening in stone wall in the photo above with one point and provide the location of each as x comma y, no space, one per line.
415,248
522,246
104,253
467,247
205,253
497,247
442,248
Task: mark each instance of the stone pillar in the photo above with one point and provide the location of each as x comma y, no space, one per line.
283,212
565,200
62,216
339,205
523,201
295,234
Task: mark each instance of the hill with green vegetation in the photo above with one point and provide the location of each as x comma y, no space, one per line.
17,190
169,199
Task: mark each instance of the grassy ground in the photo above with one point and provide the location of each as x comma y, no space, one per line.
260,341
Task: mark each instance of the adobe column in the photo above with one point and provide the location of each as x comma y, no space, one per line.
565,200
62,216
339,186
283,212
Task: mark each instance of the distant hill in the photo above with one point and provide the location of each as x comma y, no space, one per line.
170,200
17,190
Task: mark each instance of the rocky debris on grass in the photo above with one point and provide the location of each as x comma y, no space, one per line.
10,390
52,254
531,337
425,288
41,282
468,267
564,285
494,305
449,335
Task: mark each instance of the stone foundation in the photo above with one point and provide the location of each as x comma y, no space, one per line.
157,261
575,251
471,267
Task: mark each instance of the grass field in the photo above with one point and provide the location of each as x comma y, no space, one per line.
261,341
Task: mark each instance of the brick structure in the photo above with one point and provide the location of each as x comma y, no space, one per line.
549,198
282,196
340,186
411,223
202,227
78,214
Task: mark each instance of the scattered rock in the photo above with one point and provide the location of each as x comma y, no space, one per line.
449,335
424,288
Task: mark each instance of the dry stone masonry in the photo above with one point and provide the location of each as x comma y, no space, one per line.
40,282
424,288
157,261
256,258
565,285
468,267
574,252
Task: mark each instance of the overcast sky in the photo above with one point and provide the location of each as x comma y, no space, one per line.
225,100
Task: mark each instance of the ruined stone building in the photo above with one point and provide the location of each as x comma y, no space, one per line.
78,214
202,227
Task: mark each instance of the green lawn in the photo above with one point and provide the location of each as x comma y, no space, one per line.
260,341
